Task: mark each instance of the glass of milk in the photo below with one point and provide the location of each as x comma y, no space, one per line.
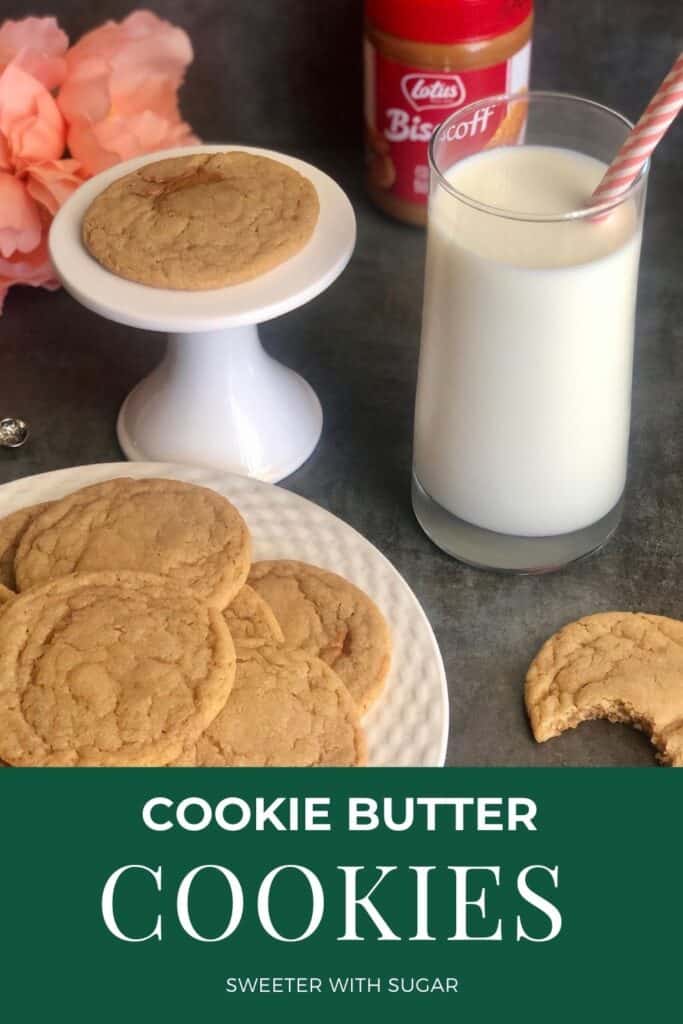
524,386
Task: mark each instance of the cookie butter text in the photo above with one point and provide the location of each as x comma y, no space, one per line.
215,900
363,814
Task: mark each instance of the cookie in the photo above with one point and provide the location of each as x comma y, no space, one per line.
623,666
325,616
201,221
286,710
251,621
188,533
109,669
12,529
5,594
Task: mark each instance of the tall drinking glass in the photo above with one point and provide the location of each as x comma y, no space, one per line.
524,386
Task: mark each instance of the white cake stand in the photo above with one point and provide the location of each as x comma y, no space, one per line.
217,399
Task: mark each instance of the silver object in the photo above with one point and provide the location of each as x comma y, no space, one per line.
13,432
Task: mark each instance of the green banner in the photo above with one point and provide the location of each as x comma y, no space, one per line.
181,895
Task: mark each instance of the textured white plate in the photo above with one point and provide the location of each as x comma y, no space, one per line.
409,725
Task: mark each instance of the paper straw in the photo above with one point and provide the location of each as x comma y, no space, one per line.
643,138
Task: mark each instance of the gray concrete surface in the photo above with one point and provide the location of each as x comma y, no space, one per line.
287,74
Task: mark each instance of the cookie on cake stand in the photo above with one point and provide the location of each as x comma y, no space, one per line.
217,398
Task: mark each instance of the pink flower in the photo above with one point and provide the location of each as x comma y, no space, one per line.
119,97
37,46
34,268
34,180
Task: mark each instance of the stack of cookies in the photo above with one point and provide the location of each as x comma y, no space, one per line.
135,630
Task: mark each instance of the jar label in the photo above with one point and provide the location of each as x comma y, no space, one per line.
404,104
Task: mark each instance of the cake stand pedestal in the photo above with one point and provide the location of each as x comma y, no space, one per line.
217,398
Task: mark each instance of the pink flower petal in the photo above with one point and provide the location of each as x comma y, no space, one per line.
102,145
29,119
50,184
20,224
85,93
35,269
5,155
37,46
119,97
142,39
84,145
145,91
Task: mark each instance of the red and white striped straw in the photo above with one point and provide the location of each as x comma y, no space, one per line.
645,135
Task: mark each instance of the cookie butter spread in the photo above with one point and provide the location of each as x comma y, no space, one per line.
423,61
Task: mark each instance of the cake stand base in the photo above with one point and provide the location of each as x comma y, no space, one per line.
218,399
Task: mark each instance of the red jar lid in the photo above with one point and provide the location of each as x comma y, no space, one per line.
447,21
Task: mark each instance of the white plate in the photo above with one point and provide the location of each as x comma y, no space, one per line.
408,727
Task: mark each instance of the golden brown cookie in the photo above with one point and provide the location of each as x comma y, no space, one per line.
623,666
5,594
12,529
286,710
324,615
201,221
251,620
109,669
189,533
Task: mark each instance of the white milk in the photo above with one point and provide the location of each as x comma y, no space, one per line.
524,386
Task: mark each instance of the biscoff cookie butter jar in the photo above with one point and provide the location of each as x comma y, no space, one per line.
424,59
